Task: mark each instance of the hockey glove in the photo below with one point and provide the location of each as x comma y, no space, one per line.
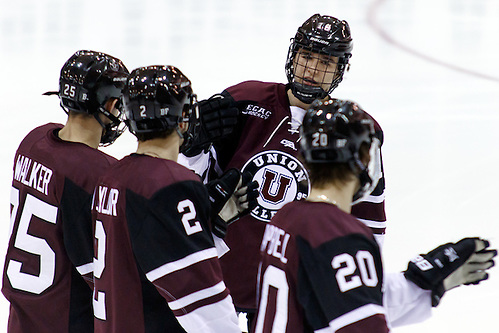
220,191
451,265
230,202
217,119
246,196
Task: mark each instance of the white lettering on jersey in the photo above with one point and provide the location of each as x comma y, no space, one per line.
107,201
33,174
257,111
275,240
289,144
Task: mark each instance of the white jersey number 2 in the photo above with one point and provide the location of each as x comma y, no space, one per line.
99,299
191,226
188,211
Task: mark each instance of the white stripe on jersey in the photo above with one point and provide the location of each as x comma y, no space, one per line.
374,198
373,224
353,316
181,263
197,296
212,318
85,269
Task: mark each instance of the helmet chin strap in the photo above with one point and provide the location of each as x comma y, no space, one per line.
108,136
180,134
96,116
307,94
363,176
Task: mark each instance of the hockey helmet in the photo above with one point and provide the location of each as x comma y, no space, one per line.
322,36
333,132
157,98
87,81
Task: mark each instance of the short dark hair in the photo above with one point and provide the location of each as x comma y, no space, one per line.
324,173
80,114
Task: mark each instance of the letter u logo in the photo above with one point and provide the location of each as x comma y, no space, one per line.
274,186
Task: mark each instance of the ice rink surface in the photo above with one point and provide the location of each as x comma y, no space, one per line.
427,70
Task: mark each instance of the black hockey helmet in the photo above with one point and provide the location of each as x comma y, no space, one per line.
326,36
333,132
87,81
157,98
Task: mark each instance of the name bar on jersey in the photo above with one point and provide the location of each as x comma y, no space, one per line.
275,241
107,200
32,174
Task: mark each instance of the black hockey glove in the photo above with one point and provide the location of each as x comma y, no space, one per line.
220,191
246,196
232,196
451,265
217,119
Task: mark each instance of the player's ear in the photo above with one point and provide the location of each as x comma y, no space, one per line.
183,126
110,104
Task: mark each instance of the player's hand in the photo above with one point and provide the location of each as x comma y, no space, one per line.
217,118
243,201
474,269
220,191
451,265
232,196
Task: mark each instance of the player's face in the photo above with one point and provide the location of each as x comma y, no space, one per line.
315,69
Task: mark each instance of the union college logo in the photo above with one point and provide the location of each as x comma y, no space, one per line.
282,179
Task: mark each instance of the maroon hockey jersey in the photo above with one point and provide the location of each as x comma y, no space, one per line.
51,234
267,144
321,271
156,267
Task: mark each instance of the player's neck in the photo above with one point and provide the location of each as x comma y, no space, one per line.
165,148
82,129
338,196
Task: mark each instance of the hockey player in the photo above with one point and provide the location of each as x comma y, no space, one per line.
321,267
156,265
56,168
254,126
